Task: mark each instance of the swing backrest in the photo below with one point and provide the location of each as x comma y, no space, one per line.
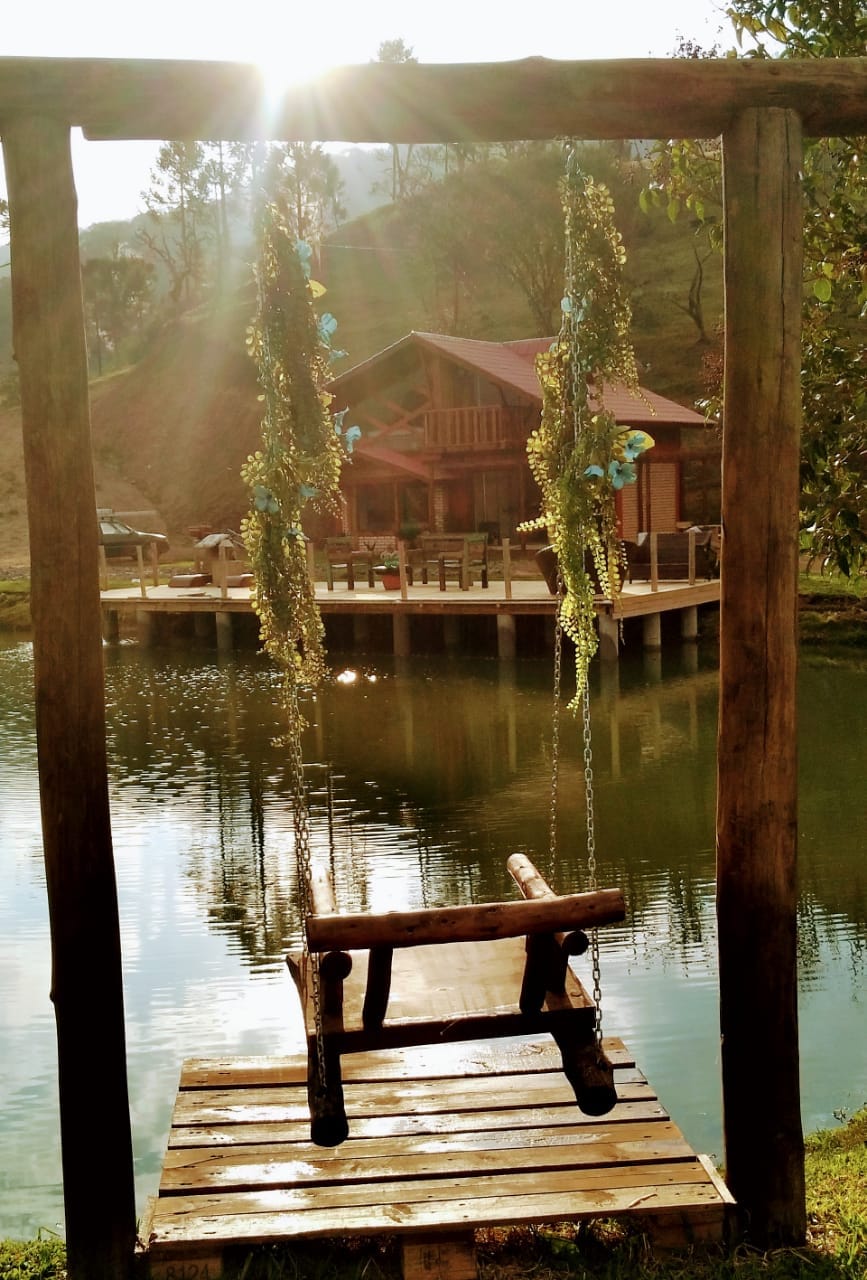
552,925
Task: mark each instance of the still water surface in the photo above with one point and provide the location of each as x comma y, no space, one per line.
437,773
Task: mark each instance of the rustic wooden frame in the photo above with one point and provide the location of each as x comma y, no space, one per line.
761,109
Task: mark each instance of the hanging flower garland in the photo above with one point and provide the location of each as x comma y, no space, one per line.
303,447
579,455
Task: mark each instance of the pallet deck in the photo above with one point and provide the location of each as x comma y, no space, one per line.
443,1139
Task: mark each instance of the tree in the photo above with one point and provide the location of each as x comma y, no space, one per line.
687,177
227,171
307,180
396,51
687,174
181,221
501,211
118,292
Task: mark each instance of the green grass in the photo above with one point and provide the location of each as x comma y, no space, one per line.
824,586
41,1259
833,611
836,1248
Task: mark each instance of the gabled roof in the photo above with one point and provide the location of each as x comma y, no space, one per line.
510,364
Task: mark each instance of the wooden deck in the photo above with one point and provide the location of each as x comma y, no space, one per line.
528,596
443,1140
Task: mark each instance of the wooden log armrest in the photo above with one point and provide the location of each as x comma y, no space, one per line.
471,923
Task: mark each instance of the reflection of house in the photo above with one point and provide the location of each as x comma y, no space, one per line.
444,425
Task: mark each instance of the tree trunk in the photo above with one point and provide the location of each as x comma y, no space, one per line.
86,987
757,757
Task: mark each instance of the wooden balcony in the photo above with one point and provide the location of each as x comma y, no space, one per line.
478,427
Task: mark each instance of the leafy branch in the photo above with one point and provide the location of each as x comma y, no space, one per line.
579,455
303,447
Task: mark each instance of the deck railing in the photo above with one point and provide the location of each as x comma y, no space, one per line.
477,427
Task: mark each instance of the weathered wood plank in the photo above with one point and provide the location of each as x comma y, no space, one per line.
385,1150
227,1173
426,1062
369,1127
267,1216
533,98
377,1100
301,1199
86,982
757,767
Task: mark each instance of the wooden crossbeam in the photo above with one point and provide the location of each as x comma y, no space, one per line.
532,98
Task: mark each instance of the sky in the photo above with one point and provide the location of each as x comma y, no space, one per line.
305,40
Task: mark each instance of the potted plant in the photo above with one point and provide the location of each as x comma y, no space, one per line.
389,571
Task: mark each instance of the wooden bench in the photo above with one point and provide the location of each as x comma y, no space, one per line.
343,553
677,556
453,552
385,982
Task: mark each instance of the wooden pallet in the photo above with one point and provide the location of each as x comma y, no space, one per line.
443,1139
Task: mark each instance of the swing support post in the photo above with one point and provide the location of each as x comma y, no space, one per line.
757,757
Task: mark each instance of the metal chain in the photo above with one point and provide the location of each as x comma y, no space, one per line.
301,824
591,853
555,733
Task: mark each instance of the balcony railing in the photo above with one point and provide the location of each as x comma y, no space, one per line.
477,427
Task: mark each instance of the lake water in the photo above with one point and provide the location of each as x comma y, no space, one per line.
437,772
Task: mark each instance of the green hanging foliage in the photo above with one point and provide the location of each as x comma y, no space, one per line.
303,447
579,455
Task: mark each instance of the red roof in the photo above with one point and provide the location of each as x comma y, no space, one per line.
511,364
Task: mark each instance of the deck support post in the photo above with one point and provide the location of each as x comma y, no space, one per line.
86,982
609,637
360,630
652,631
400,635
689,623
110,626
451,632
757,757
145,627
506,637
225,632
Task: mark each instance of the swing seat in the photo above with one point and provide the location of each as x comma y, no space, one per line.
389,981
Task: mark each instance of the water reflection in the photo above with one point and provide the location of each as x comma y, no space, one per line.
422,780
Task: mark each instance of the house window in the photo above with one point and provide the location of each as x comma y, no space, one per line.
701,496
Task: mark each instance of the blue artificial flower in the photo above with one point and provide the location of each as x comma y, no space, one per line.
353,434
566,305
305,254
635,444
327,325
264,500
338,419
308,491
621,473
594,471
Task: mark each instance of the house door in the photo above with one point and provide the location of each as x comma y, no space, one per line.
459,507
495,504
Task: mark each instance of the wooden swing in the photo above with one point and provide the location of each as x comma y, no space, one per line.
388,980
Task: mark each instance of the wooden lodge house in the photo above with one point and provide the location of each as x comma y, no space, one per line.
444,425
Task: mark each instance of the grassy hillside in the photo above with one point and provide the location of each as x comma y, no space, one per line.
172,432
